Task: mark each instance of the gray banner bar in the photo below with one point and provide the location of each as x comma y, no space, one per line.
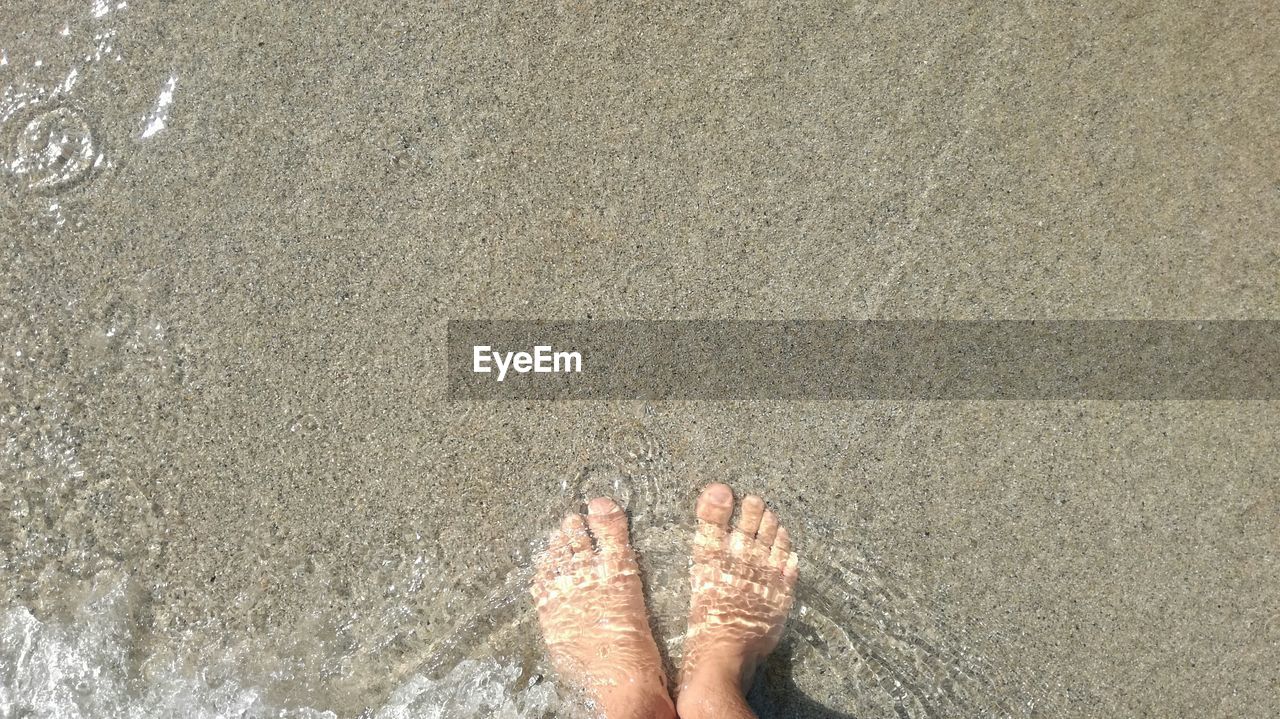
864,360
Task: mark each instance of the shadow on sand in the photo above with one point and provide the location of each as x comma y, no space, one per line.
776,696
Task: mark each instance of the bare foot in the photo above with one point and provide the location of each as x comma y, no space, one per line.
743,585
591,608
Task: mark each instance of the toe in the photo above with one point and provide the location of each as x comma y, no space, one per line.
715,505
752,512
609,525
781,549
558,552
791,572
576,532
768,529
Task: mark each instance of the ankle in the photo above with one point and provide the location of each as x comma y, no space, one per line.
711,692
651,708
637,703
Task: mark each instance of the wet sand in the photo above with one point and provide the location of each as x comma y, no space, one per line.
232,383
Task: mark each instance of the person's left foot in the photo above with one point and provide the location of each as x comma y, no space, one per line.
743,586
591,607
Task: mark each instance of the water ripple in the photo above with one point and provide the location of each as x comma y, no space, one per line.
50,149
859,643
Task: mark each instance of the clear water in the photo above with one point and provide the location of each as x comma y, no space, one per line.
86,510
858,644
87,669
854,648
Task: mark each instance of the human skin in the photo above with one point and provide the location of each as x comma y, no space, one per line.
591,609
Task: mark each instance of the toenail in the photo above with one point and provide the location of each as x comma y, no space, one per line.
600,505
719,494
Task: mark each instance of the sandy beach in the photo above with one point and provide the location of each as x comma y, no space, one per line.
232,234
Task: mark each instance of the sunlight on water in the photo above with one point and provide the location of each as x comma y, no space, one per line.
425,641
88,668
858,643
473,689
52,142
851,650
86,632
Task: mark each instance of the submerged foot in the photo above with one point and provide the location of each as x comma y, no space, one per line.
591,607
743,584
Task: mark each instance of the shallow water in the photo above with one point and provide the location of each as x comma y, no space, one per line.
856,646
231,483
852,649
82,533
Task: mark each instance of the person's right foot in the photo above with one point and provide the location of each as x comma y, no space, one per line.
743,586
591,609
